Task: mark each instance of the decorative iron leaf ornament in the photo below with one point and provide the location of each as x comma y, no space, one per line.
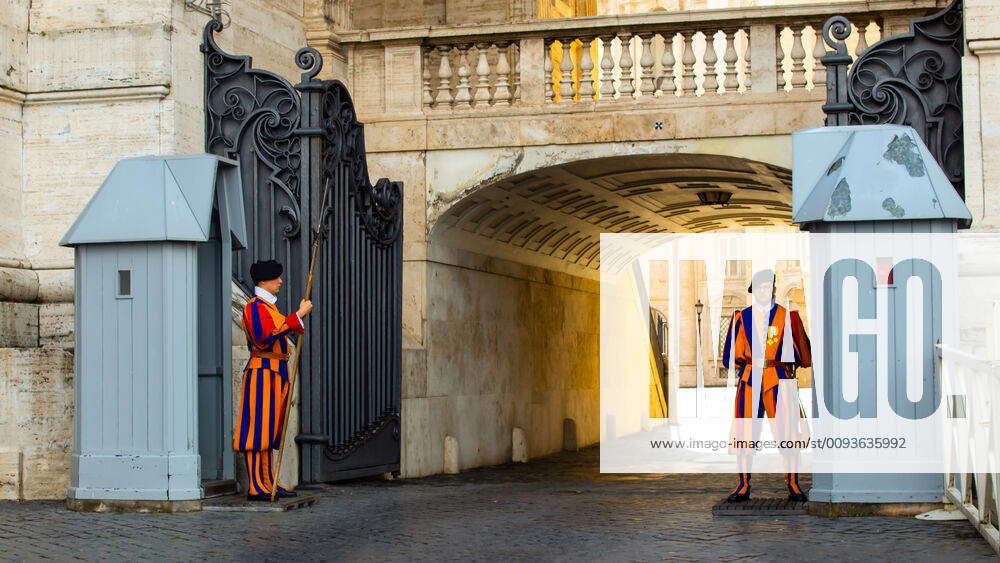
913,79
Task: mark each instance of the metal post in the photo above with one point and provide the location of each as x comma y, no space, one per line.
699,375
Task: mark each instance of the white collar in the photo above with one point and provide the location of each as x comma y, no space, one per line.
265,295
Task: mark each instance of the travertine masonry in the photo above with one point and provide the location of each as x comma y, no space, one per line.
36,399
18,325
508,346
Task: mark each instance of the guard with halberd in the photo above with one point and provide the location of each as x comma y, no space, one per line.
265,379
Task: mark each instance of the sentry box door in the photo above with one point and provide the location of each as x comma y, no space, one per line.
213,382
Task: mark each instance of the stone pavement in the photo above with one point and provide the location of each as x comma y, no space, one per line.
555,508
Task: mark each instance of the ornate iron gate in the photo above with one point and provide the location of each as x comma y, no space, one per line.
291,143
913,79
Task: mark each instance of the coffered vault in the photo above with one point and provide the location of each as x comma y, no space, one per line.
553,216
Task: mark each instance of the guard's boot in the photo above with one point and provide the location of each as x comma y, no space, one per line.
795,493
742,491
285,493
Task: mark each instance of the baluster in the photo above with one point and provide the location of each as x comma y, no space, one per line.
444,97
463,97
667,61
502,95
862,45
729,81
515,51
646,60
747,74
549,93
779,55
607,69
425,77
566,66
819,50
586,70
798,59
482,96
687,69
711,83
626,85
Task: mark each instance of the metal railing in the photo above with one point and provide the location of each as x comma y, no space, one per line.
975,494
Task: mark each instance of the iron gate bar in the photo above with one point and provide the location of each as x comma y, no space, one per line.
290,140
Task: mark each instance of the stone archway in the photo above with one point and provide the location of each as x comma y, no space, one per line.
511,317
552,217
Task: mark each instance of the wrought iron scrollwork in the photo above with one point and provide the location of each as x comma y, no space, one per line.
909,79
365,435
251,116
366,258
378,206
292,141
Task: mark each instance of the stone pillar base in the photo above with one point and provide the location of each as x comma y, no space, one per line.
140,506
845,509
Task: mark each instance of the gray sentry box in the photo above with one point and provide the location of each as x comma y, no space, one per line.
873,179
153,328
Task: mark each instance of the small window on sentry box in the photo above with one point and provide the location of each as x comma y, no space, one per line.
124,283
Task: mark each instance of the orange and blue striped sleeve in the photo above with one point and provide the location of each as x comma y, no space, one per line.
262,329
803,353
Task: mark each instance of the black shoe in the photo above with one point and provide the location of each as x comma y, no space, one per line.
287,494
259,498
797,497
738,497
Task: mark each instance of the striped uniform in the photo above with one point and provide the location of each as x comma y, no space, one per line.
786,345
265,389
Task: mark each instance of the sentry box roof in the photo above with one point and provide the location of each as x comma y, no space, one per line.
869,173
152,198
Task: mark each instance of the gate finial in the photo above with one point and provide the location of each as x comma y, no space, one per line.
309,60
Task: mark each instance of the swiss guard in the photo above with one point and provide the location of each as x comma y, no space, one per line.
265,379
765,343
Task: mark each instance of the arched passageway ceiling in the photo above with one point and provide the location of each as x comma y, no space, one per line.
554,216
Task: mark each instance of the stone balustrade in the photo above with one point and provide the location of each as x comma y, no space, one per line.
468,75
621,59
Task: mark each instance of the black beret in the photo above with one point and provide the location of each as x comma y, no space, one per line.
763,276
264,270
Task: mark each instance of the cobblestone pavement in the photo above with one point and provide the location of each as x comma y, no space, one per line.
556,508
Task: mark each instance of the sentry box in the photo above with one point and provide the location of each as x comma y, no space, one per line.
873,179
153,332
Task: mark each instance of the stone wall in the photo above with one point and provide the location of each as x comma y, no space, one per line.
36,399
13,68
373,14
507,346
81,87
981,128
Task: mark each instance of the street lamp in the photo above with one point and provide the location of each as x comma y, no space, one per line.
699,377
